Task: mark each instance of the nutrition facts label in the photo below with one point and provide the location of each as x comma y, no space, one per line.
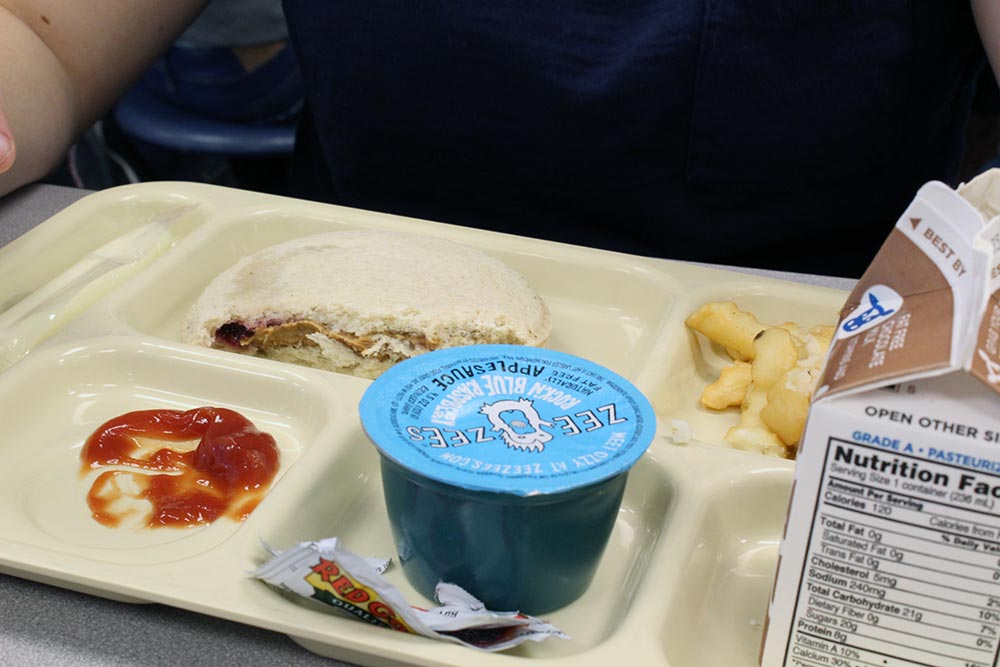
903,562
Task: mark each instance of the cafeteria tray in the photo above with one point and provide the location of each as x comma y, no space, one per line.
684,581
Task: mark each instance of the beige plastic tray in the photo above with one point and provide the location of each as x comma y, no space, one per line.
684,581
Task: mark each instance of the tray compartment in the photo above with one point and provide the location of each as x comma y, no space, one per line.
347,502
53,400
717,615
28,263
694,362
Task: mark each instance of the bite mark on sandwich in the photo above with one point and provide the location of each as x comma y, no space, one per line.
275,334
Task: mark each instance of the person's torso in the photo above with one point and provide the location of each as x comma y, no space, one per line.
703,129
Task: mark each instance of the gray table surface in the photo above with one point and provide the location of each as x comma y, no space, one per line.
44,625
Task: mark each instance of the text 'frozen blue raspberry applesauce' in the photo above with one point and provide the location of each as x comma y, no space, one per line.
504,468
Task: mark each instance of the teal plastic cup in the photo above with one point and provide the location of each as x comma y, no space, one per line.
503,469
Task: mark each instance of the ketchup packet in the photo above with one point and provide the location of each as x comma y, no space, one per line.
325,571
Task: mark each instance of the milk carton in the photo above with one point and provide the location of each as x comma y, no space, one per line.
891,552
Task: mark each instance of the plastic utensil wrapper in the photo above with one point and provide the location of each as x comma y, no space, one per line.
327,572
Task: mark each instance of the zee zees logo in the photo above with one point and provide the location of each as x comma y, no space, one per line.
519,425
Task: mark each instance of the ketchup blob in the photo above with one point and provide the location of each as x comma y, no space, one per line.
227,474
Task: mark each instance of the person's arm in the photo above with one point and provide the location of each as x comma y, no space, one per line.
987,14
64,63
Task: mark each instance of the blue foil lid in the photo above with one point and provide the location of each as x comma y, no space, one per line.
507,418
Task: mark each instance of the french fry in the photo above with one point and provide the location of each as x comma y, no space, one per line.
725,324
751,433
729,390
775,354
772,379
788,400
820,335
787,407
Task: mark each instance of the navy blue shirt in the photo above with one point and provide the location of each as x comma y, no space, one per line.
781,133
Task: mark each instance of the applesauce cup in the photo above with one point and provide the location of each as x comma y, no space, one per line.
503,468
